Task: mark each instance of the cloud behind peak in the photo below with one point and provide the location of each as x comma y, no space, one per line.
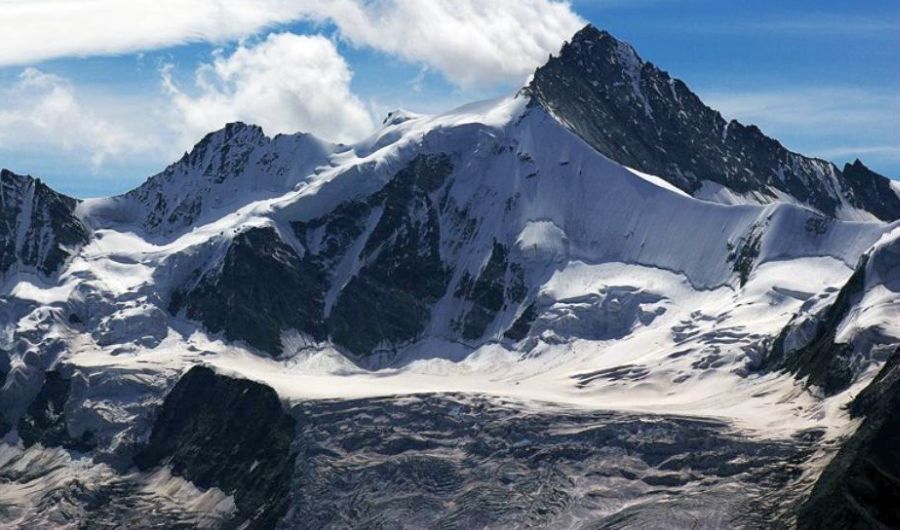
471,42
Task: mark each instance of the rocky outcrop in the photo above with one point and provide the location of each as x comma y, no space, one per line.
499,283
45,421
822,360
260,289
227,433
38,227
872,190
840,334
860,488
389,301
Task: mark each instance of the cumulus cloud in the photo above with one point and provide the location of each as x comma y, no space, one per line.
41,110
471,42
285,83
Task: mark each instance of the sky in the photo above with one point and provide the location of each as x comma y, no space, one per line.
97,95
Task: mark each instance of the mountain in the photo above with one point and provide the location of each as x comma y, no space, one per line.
443,235
636,114
225,170
540,310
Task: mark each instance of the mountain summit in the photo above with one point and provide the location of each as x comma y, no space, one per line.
638,115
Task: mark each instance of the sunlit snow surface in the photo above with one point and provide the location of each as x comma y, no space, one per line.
641,316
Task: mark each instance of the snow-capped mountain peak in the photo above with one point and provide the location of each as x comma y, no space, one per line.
640,116
225,170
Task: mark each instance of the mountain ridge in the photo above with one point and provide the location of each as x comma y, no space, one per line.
628,97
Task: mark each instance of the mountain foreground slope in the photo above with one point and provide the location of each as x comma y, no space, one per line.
594,303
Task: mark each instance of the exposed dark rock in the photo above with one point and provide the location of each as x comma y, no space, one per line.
520,328
860,488
261,289
743,256
499,282
4,370
341,228
872,190
45,420
38,227
486,293
4,364
823,361
389,301
227,433
626,372
636,114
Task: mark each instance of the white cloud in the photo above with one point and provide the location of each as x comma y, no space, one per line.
472,42
286,83
42,111
35,30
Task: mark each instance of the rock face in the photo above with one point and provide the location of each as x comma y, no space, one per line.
263,287
231,434
260,289
831,346
833,340
822,361
871,189
498,283
860,488
38,228
390,298
45,420
636,114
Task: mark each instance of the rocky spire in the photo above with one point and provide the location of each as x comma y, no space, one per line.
638,115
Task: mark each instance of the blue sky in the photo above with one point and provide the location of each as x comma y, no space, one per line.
94,111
